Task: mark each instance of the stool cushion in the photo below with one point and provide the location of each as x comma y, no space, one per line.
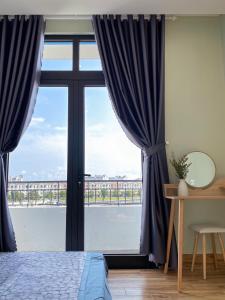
207,228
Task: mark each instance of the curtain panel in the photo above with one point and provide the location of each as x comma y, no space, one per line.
132,56
21,44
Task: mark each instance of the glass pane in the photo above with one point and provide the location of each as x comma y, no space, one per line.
89,57
57,56
113,192
38,173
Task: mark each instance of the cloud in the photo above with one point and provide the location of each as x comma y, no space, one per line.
107,151
97,127
95,130
36,121
47,144
111,152
60,128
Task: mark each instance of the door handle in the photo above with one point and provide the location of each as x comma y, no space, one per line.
83,175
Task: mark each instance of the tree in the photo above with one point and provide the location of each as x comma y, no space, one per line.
128,193
91,194
115,193
16,196
33,196
138,193
10,196
49,195
62,196
104,193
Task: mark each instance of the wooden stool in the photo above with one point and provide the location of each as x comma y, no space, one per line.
204,229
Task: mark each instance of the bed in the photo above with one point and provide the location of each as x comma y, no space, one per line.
53,276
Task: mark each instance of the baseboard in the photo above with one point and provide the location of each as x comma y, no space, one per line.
142,262
129,262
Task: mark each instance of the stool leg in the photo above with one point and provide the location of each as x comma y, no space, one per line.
213,242
204,255
221,245
195,251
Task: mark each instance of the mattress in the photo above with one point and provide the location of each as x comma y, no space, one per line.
53,276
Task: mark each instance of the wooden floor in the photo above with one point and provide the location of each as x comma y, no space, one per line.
154,284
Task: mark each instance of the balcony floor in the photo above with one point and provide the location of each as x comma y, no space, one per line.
111,229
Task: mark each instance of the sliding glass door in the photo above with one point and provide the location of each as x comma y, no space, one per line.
112,187
37,186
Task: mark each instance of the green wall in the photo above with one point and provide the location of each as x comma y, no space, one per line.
195,103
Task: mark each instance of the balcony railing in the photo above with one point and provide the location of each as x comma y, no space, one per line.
53,193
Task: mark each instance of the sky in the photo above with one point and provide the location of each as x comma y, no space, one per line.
42,151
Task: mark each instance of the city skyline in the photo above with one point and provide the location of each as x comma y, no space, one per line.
96,177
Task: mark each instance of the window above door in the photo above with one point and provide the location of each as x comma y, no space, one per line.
71,53
57,56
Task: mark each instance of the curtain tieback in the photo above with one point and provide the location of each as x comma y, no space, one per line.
149,151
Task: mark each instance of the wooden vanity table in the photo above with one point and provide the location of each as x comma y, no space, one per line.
216,191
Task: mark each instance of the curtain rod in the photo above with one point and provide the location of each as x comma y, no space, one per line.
80,17
88,17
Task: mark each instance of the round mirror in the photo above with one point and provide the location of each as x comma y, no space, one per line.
201,171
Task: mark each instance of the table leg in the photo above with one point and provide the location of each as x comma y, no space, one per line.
170,234
180,243
195,250
221,245
213,242
204,255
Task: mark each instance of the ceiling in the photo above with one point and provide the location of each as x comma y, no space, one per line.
88,7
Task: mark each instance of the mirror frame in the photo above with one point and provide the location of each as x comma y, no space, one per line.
211,182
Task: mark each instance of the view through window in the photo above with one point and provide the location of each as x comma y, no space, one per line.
113,191
38,174
38,180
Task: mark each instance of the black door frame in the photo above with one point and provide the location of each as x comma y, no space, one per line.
81,136
73,79
76,81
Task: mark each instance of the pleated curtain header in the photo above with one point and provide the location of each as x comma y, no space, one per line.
133,17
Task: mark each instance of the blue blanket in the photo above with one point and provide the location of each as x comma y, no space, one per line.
94,279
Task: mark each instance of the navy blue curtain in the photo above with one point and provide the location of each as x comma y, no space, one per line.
132,56
21,43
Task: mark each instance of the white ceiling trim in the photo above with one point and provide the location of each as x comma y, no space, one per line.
89,17
90,7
